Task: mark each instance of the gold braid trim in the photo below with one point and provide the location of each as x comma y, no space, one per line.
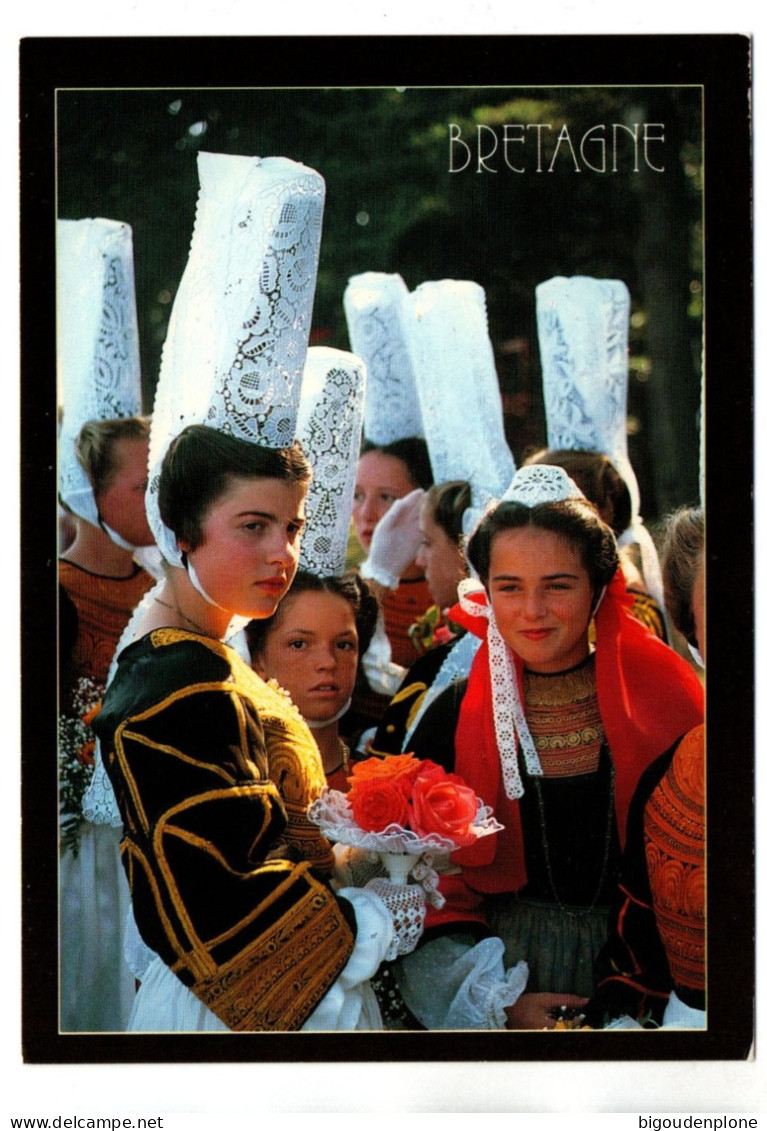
280,979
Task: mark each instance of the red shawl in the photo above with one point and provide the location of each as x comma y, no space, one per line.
648,696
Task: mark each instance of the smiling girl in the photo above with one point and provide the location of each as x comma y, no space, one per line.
550,732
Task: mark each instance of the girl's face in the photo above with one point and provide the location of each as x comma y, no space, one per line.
542,598
440,559
312,652
121,504
380,480
251,537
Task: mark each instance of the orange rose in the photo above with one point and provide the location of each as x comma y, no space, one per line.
442,803
376,804
390,768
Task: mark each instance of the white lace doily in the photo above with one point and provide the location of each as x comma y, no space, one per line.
97,350
376,311
455,666
330,428
332,813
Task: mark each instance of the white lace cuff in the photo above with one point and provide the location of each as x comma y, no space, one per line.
451,983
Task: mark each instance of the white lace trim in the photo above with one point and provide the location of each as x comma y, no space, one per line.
455,666
511,729
332,813
99,801
541,483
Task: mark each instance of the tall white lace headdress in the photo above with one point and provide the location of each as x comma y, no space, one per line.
457,383
97,348
583,337
236,346
376,308
329,428
538,483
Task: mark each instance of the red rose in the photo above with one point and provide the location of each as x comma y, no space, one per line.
378,803
442,803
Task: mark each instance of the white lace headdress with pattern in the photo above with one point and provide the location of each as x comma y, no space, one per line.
457,383
236,346
583,336
376,308
97,348
330,428
530,486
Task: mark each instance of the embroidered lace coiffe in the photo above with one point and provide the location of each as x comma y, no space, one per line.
457,383
376,311
237,339
97,350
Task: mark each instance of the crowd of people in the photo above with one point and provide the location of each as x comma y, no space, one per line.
223,663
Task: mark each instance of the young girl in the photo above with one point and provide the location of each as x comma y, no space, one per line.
311,647
213,771
586,724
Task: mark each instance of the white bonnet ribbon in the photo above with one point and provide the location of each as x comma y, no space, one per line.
509,717
115,537
651,572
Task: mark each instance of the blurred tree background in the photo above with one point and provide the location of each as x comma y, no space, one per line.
393,205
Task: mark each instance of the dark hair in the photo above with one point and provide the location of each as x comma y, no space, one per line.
199,465
576,520
412,451
446,503
351,587
599,480
682,557
95,446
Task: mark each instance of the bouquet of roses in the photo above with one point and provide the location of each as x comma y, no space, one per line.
401,811
403,804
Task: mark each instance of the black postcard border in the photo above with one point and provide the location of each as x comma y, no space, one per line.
721,65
